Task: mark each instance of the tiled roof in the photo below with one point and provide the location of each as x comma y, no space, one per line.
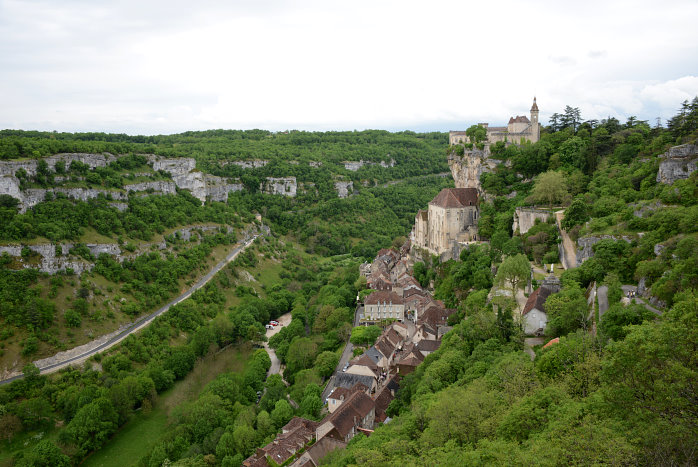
339,393
551,342
348,380
385,347
423,213
426,345
383,296
456,198
519,119
350,412
384,397
537,300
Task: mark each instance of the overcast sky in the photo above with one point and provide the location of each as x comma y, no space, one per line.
149,67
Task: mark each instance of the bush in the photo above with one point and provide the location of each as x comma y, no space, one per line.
72,318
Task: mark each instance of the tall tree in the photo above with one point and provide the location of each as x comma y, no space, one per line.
512,272
549,188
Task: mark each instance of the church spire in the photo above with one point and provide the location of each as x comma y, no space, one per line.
534,107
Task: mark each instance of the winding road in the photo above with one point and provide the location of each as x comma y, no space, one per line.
144,321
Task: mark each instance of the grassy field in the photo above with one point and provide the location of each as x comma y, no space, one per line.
144,430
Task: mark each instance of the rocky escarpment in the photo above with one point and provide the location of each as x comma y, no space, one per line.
344,189
29,166
33,196
251,164
585,245
525,218
53,258
678,163
356,165
182,170
160,187
285,186
468,168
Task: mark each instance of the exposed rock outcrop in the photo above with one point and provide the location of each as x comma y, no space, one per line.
251,164
356,165
678,163
161,186
285,186
218,188
33,196
344,189
525,218
585,245
467,169
91,160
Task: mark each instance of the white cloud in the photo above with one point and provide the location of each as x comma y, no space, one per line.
149,67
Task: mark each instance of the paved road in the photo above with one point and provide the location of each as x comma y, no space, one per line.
602,295
569,258
632,288
275,368
346,356
143,322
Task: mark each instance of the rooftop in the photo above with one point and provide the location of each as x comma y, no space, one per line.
456,198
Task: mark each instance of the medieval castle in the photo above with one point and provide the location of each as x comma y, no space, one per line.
450,222
518,130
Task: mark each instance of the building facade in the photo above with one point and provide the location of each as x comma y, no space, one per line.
451,219
518,130
383,305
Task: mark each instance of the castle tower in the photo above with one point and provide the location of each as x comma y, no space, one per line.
535,126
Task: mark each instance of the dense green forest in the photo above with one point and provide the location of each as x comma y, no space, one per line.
39,310
622,395
617,389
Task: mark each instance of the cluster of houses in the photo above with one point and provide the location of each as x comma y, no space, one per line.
414,323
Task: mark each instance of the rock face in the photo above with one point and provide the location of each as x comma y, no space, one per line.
218,188
92,160
585,246
525,218
285,186
9,185
177,166
33,196
344,189
162,187
678,163
182,170
253,164
356,165
467,169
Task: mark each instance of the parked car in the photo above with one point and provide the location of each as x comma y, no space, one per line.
274,323
345,367
269,326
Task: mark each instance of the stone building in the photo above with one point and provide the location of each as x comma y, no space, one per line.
383,305
451,219
518,130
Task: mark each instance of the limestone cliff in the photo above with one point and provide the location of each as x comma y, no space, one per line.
468,168
344,189
285,186
678,163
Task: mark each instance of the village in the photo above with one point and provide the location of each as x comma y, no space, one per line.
361,390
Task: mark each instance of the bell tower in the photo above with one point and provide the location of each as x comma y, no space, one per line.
535,126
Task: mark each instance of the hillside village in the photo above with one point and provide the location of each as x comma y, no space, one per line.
359,393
